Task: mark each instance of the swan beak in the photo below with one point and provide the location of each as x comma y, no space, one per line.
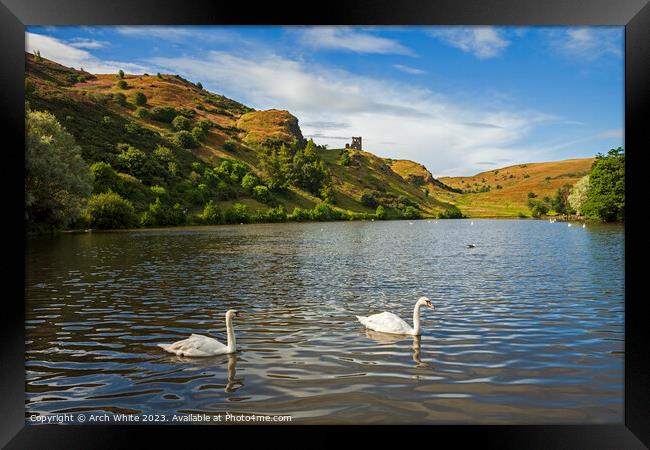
237,314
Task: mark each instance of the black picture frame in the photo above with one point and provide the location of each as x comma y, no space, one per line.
633,14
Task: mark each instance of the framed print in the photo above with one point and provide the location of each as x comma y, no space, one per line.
279,220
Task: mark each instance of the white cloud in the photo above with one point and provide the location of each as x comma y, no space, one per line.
71,56
88,43
179,34
588,43
408,69
395,120
482,42
348,39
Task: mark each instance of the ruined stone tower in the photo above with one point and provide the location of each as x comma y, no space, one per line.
356,143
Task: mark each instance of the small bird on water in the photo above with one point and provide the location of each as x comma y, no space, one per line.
471,245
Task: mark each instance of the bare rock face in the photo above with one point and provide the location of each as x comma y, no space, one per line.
270,127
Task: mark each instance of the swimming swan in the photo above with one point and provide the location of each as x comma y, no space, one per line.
201,346
390,323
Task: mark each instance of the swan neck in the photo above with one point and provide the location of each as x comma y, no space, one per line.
232,345
416,319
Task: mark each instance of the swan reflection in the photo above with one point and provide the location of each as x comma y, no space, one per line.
232,385
389,338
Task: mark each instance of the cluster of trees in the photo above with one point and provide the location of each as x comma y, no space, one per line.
142,184
598,195
57,179
452,212
301,167
605,188
188,133
399,206
560,203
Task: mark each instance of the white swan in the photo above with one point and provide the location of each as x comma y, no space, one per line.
390,323
198,345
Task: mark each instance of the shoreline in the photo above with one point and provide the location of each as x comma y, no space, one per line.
195,225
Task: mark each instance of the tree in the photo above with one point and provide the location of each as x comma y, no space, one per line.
560,202
160,214
578,195
538,208
132,160
277,214
163,113
212,214
274,170
109,211
57,179
369,200
452,212
140,99
249,182
122,84
181,123
300,214
185,139
410,212
120,74
230,145
262,194
142,113
164,155
344,158
105,178
380,213
308,171
199,85
198,133
324,212
238,213
120,99
327,193
606,193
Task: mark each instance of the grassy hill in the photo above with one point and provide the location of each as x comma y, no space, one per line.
509,186
108,119
499,192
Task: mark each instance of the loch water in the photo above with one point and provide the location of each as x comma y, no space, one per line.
527,326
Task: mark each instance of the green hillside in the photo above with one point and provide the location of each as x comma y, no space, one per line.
170,148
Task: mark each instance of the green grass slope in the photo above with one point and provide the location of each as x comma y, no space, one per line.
100,115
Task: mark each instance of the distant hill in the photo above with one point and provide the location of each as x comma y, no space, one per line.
417,174
509,186
105,120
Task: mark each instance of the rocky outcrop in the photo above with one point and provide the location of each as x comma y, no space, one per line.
270,127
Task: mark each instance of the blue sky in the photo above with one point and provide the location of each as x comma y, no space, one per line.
460,100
